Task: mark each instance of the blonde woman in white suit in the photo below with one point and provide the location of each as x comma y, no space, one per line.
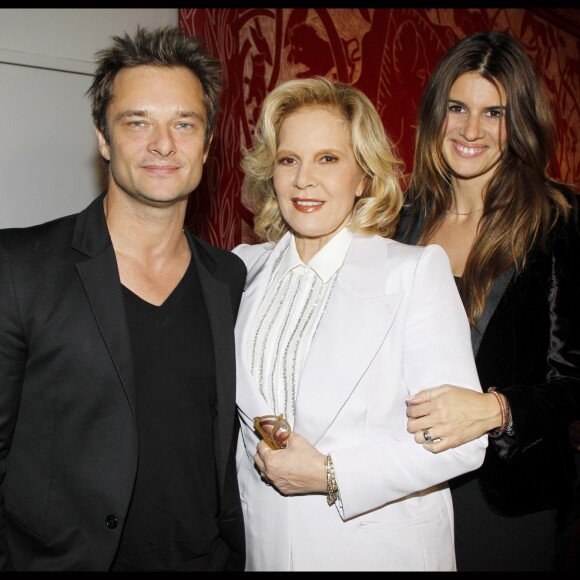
337,327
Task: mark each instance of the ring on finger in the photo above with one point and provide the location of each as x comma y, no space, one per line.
427,435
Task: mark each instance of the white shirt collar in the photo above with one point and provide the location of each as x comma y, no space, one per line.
325,263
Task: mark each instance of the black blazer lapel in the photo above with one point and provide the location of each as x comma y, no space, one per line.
217,299
100,277
497,291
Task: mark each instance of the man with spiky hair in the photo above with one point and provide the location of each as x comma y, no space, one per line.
117,374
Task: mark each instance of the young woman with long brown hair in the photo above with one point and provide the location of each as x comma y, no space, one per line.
480,189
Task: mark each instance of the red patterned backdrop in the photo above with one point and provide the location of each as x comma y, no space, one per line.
387,53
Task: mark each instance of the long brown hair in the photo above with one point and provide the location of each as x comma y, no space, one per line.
521,202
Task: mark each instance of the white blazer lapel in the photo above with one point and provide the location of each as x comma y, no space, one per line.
357,320
249,400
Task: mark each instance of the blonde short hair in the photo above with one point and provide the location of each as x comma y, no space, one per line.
377,210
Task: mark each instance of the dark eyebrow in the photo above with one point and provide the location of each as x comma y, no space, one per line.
131,113
144,113
492,108
188,114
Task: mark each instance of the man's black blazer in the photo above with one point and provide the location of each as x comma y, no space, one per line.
68,436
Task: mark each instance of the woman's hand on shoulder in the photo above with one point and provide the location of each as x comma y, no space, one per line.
299,468
451,416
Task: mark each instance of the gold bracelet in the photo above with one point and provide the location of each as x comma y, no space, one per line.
331,485
496,433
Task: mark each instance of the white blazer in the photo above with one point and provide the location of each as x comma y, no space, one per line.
394,325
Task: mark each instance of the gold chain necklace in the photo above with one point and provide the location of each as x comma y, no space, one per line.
464,213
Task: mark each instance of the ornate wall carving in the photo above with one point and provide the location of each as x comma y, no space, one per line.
387,53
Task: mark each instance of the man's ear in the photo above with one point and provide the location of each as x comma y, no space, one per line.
103,145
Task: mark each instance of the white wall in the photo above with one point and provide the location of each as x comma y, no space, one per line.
49,162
